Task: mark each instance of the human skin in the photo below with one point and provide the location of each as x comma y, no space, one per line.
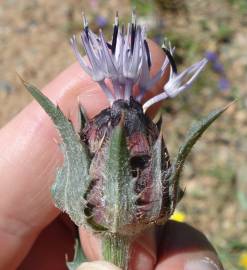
33,234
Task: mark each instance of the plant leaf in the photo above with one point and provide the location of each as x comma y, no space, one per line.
79,257
119,185
194,133
156,192
72,178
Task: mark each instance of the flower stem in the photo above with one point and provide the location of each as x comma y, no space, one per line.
116,249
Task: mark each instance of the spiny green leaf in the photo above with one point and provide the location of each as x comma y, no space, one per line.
156,192
119,184
193,135
72,178
79,257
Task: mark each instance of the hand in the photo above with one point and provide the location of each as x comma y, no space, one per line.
32,233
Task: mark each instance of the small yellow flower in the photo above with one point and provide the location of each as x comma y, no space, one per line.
243,260
178,216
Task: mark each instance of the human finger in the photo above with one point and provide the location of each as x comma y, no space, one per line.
184,248
51,246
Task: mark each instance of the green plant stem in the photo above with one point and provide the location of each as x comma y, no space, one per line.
116,249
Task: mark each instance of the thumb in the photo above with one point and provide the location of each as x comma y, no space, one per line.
97,265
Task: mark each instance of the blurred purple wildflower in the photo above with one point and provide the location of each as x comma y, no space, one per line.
223,84
218,67
216,64
211,56
101,21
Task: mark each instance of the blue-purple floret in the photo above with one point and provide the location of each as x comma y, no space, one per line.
126,62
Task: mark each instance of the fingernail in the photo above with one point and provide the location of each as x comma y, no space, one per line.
143,262
201,264
143,253
97,265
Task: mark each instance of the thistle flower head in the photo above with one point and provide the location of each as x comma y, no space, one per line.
130,167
